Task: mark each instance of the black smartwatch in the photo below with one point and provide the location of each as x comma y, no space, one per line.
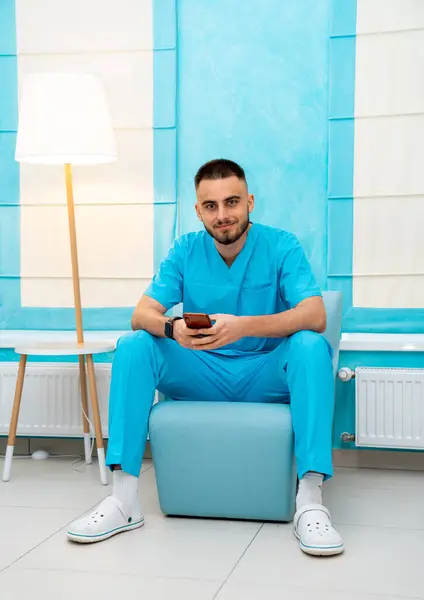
169,327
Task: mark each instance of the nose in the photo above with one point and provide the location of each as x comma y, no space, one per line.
222,213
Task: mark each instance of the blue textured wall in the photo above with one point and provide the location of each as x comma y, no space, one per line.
253,87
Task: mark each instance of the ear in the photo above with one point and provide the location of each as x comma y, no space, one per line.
251,202
197,207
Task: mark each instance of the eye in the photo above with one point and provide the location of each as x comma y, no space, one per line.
209,206
232,202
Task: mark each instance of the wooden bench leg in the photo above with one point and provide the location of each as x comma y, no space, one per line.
15,416
96,419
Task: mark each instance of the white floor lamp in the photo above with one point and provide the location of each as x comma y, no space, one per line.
64,120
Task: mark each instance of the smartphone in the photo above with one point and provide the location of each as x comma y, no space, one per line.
197,321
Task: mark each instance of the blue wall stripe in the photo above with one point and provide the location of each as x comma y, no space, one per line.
10,264
9,170
8,355
10,301
340,159
340,238
341,150
12,315
165,123
7,30
343,285
165,168
343,18
165,223
9,98
164,24
100,319
342,84
384,320
165,85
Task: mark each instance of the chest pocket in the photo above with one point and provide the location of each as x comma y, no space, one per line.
257,285
258,297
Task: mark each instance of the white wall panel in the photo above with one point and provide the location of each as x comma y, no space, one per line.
113,241
129,180
63,26
388,156
114,211
389,15
389,292
95,293
390,74
388,236
388,172
127,76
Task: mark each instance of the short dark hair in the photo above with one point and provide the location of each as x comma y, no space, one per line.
220,168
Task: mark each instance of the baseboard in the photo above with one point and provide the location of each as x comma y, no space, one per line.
22,446
379,459
367,459
74,447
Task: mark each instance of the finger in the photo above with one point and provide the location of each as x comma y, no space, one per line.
210,339
210,346
209,331
191,332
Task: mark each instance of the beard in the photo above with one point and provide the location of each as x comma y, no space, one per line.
227,237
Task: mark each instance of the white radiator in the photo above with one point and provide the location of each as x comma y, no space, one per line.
51,404
390,408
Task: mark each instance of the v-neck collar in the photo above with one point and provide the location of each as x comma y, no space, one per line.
240,260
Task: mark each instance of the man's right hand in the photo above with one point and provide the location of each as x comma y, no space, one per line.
183,335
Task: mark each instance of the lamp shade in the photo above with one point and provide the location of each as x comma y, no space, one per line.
64,118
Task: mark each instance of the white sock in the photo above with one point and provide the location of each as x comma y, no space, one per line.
125,488
310,490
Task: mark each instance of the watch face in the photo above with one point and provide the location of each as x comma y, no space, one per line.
168,329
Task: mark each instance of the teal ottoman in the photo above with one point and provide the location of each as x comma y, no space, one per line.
230,460
223,459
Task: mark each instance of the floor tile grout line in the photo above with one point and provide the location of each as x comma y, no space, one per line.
119,573
32,507
237,563
80,514
44,540
77,508
377,595
145,470
369,526
309,588
388,488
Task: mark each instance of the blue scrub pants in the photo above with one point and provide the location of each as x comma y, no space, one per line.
298,371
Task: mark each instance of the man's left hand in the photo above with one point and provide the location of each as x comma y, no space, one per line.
226,330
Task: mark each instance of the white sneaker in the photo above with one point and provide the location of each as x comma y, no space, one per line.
312,527
108,519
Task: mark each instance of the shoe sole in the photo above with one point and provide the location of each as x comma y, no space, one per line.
319,550
99,537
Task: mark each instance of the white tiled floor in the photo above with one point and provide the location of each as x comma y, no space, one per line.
379,513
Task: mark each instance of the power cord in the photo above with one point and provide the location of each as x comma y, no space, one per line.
78,470
78,457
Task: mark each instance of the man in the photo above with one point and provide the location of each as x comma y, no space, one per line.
265,346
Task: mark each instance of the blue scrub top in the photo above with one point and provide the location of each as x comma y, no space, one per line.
271,274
